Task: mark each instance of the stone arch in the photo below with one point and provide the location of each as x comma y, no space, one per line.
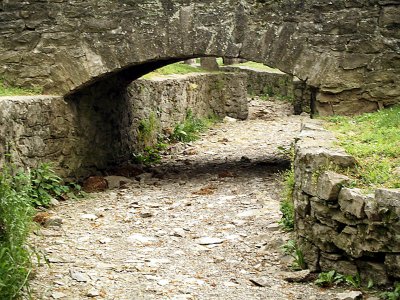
347,50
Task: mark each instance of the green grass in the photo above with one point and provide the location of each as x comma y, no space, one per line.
15,223
8,90
20,192
286,205
374,140
257,66
176,68
190,129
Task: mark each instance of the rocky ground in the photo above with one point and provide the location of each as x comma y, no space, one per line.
202,225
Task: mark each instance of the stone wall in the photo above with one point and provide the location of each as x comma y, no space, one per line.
276,83
348,50
37,129
340,228
170,98
99,127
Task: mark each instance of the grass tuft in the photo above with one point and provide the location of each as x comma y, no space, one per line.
374,140
15,223
190,129
287,207
176,68
8,90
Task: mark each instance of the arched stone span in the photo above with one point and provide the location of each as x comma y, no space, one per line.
348,49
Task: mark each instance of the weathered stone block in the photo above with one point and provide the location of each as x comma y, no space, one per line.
389,197
352,201
329,185
310,253
323,213
301,203
392,263
329,262
373,271
323,237
371,208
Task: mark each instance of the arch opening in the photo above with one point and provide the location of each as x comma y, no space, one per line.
110,110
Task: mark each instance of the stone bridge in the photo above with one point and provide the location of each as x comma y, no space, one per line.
348,51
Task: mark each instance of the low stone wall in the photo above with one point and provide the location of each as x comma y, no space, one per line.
97,129
340,228
170,98
276,83
35,129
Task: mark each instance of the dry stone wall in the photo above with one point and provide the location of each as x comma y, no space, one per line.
99,128
170,98
337,227
278,84
348,50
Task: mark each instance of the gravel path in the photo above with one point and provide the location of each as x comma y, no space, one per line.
205,228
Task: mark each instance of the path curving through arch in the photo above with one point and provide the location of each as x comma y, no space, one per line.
204,228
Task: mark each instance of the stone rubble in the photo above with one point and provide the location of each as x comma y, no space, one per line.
223,244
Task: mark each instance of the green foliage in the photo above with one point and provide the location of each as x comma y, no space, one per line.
15,223
150,155
45,185
354,281
329,279
291,248
258,66
392,295
189,130
176,68
287,207
373,139
148,131
8,90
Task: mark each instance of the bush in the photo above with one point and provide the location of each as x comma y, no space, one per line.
16,215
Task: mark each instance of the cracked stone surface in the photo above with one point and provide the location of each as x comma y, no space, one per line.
205,228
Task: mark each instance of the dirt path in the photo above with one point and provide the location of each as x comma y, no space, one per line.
206,228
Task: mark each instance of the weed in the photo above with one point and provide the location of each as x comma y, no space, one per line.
354,281
291,248
148,131
46,185
15,223
150,155
392,295
373,139
189,130
287,207
329,279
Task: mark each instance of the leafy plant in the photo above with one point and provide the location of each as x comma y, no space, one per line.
291,248
392,295
148,131
45,185
16,215
328,279
189,130
149,155
354,281
287,207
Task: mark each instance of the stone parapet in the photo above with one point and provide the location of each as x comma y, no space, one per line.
338,227
83,135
